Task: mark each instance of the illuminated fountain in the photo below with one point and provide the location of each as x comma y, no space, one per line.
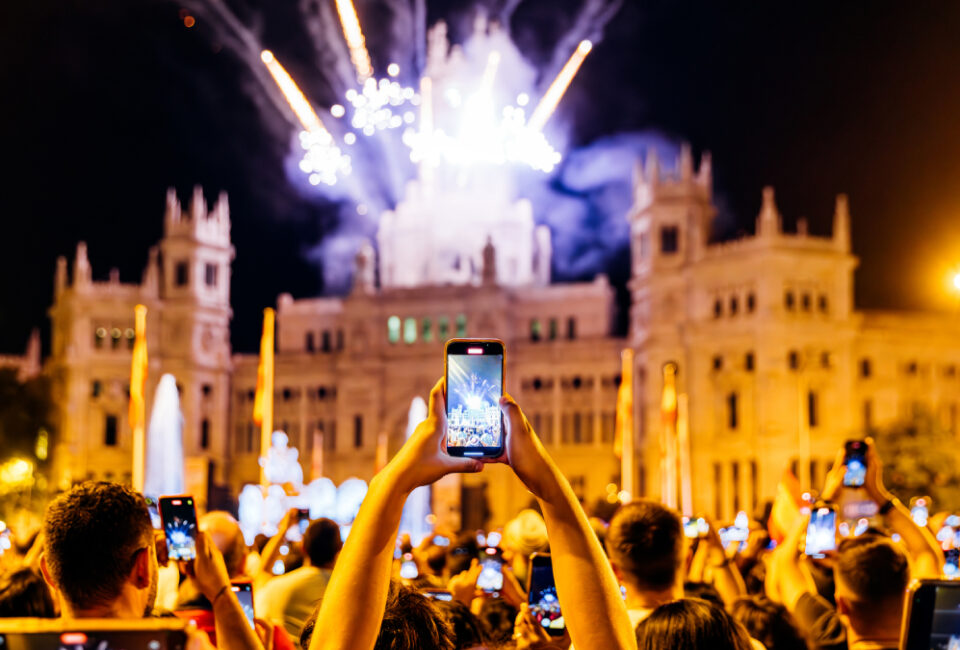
260,510
164,452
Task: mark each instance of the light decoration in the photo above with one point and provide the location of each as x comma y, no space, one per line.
380,105
322,159
16,474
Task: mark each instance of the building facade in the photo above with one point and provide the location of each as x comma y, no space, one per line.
777,366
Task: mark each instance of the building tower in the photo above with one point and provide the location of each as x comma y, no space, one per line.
669,230
195,256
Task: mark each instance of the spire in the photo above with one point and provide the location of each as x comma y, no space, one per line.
173,206
198,205
363,269
685,162
652,169
151,274
544,253
489,277
31,358
768,221
638,178
841,223
60,279
705,174
81,267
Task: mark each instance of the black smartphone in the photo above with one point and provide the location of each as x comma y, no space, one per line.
542,595
93,634
821,531
437,594
179,517
932,616
951,563
855,460
243,590
491,571
296,532
474,377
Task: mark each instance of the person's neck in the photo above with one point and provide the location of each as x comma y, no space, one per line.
651,599
121,608
874,635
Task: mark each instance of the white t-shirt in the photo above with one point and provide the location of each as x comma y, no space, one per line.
290,599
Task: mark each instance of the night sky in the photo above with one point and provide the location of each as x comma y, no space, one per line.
106,103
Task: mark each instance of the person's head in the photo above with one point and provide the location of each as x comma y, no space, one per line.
463,550
322,543
768,622
24,594
870,576
467,629
411,622
645,544
498,617
225,534
99,551
691,624
523,536
703,591
436,560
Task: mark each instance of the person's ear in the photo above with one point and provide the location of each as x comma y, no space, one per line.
45,570
140,574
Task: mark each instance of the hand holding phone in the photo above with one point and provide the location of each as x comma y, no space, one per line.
179,518
474,380
490,579
821,531
855,462
930,620
542,595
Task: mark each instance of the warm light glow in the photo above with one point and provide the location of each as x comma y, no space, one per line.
956,281
554,94
137,408
292,93
355,40
16,474
393,69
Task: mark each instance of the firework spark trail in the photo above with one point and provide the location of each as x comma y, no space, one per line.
548,104
355,39
332,56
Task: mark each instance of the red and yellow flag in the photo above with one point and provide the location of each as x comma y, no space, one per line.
624,423
138,379
263,400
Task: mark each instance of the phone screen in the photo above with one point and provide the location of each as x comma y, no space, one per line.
295,533
244,593
543,601
491,573
438,594
821,532
474,389
690,528
408,568
951,565
440,540
94,639
934,617
855,458
179,517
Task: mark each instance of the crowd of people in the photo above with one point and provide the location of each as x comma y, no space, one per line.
637,581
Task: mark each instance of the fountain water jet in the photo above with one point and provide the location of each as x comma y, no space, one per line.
415,510
164,453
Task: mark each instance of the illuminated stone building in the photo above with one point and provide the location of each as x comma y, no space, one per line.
777,365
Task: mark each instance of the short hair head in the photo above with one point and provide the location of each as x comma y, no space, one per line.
467,628
92,535
225,533
321,541
691,624
768,622
645,541
871,574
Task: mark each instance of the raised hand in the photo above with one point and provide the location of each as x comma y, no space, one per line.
424,459
524,452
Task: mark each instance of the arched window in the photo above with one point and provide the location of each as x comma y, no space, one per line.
461,325
410,331
393,329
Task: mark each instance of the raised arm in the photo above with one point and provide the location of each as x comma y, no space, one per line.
922,548
721,569
271,551
356,597
590,598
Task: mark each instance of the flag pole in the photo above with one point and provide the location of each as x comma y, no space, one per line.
623,440
263,402
137,412
683,440
668,450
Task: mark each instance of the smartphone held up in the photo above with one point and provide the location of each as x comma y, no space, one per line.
474,371
855,461
178,515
